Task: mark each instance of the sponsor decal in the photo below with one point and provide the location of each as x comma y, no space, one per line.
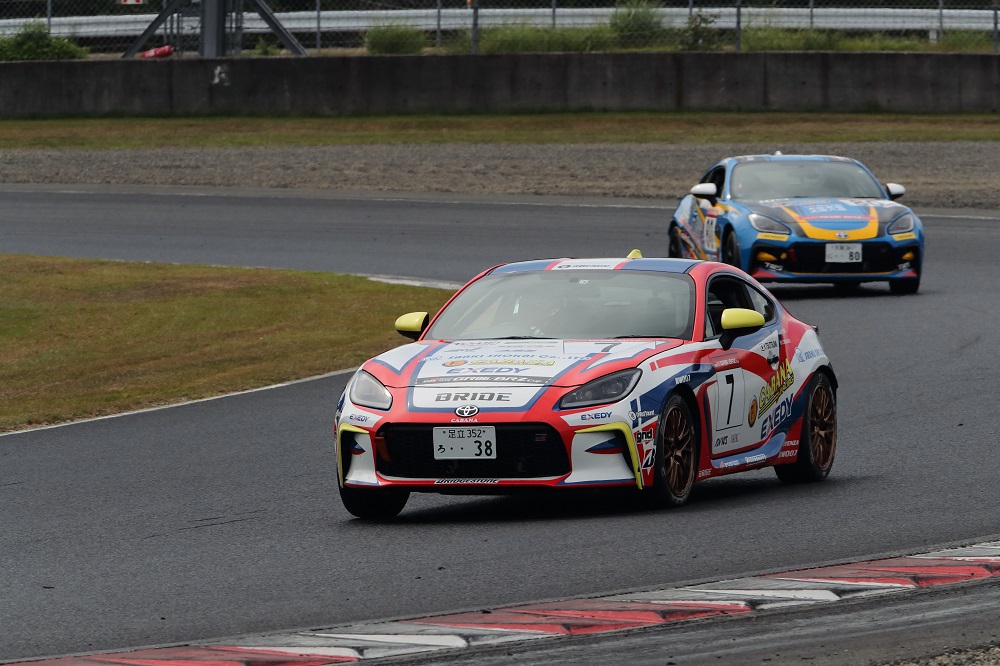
595,416
467,396
703,473
643,436
905,266
360,418
465,420
486,371
773,267
768,345
723,362
752,414
466,411
750,460
453,482
492,379
781,413
907,236
731,463
632,416
726,440
774,237
790,453
683,379
807,354
780,381
648,458
452,364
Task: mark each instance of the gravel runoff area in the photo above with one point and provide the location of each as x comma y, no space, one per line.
936,175
958,174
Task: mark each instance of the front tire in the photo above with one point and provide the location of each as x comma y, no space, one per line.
904,287
676,247
676,457
731,250
377,504
818,443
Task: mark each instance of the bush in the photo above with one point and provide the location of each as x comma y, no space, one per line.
530,39
33,42
394,39
637,24
698,34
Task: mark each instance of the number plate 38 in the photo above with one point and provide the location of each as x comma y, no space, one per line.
462,443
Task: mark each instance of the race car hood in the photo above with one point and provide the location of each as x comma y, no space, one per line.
832,219
473,364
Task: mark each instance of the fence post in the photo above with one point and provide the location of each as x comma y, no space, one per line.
554,2
319,25
475,25
437,33
996,30
739,19
812,6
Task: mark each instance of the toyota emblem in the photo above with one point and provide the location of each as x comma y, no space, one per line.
465,411
843,235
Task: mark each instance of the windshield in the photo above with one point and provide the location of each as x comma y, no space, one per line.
807,178
570,304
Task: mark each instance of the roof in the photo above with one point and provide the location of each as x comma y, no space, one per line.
659,265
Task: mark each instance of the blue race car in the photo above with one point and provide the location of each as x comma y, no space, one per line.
801,218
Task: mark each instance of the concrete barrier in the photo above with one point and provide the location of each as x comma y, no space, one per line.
319,86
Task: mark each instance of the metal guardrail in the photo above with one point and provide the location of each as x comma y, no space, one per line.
931,21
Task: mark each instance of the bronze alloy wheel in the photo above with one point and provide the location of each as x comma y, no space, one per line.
819,424
822,425
676,462
678,451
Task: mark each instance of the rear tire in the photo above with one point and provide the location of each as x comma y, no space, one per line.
378,504
731,250
676,458
818,442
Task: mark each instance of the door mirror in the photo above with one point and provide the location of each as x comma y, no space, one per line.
895,190
411,325
706,191
737,322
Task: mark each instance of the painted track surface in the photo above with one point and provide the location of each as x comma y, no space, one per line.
221,518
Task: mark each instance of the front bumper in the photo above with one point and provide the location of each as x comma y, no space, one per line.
800,260
529,454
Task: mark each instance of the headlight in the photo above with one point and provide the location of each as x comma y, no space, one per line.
369,392
901,224
609,388
767,224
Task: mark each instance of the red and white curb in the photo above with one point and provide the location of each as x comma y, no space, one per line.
365,641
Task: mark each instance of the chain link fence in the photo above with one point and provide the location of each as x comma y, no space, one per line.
108,28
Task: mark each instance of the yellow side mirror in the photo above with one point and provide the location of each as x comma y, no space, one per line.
734,318
412,324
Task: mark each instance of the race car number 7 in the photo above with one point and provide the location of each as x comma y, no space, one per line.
729,403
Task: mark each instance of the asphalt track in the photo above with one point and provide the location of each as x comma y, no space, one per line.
221,517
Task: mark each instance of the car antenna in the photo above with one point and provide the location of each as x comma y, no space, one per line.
634,254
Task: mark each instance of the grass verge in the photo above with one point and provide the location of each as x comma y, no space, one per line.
697,128
84,338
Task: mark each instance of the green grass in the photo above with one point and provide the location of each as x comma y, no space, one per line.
679,127
88,338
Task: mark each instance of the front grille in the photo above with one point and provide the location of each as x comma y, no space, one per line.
524,450
811,258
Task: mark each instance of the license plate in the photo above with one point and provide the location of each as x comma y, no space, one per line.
475,442
843,253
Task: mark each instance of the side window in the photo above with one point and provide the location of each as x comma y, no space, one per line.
761,304
717,176
723,292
